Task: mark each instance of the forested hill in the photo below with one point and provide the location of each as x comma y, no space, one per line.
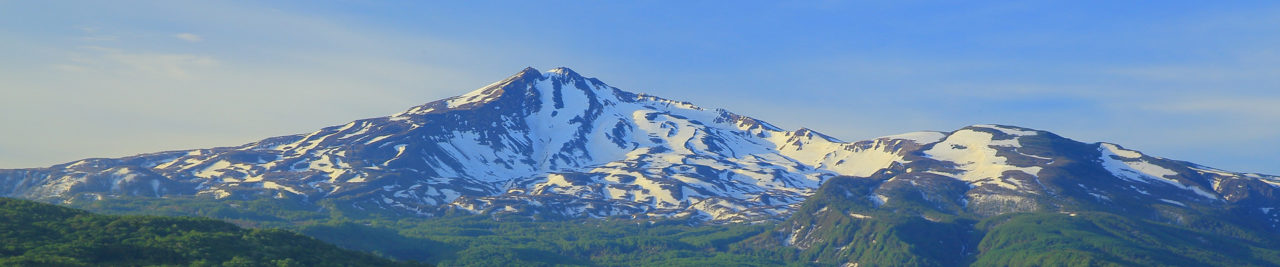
38,234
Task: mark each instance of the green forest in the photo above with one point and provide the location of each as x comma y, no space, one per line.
37,234
1023,239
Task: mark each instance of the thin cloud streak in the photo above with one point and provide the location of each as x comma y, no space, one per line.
139,64
189,37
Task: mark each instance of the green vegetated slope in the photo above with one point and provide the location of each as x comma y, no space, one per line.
37,234
1026,239
482,240
477,240
1100,239
840,224
835,229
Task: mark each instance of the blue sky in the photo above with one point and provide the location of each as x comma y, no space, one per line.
1178,79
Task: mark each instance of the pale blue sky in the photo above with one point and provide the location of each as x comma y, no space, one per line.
1177,79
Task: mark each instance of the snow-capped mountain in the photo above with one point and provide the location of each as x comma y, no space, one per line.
559,144
982,171
995,169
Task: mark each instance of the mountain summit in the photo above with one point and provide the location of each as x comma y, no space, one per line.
558,144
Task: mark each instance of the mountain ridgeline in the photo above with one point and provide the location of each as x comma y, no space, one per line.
558,146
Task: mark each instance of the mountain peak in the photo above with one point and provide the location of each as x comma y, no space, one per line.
806,132
563,71
523,89
527,72
1006,129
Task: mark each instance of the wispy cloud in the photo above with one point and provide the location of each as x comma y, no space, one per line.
94,34
147,64
189,37
1186,73
1244,107
178,66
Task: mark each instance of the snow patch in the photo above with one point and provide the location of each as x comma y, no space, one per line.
213,170
1173,202
1136,169
918,137
974,154
878,199
1120,152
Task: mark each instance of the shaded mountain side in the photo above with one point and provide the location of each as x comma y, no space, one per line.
840,223
845,223
1016,239
37,234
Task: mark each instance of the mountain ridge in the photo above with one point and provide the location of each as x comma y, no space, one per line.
558,144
